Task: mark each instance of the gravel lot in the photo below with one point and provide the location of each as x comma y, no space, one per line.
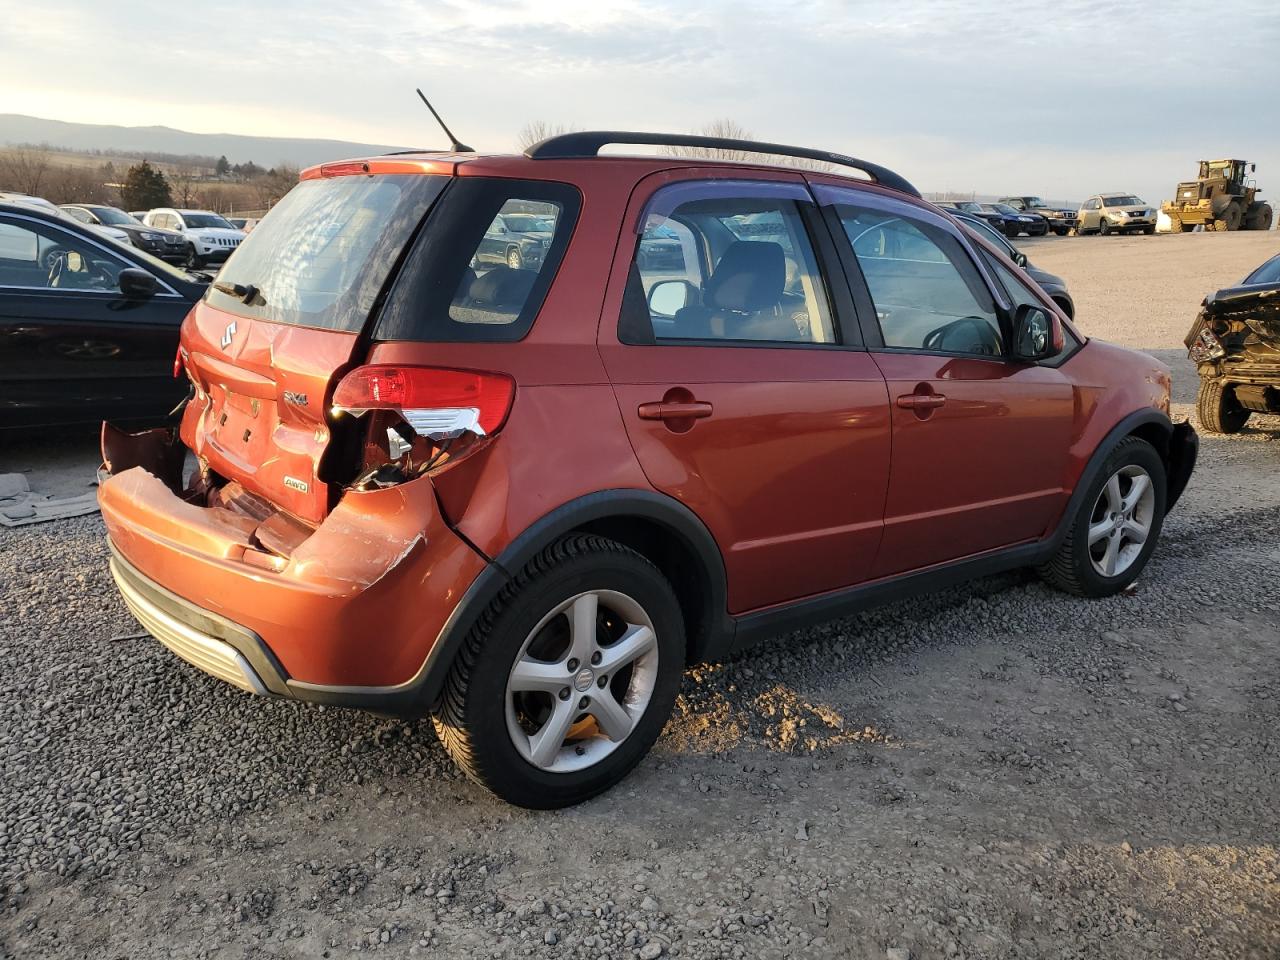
995,771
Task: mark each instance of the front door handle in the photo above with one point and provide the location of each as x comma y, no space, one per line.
666,410
921,401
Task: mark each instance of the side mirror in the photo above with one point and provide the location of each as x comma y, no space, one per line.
1020,258
1037,334
668,297
137,284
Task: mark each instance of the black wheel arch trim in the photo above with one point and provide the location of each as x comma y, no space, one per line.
726,634
618,504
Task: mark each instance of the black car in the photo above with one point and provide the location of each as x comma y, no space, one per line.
1016,222
517,239
1061,220
88,328
1051,284
974,209
165,244
660,249
1235,344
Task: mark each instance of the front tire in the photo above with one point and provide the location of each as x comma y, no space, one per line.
567,678
1104,227
514,260
1218,409
193,261
1116,527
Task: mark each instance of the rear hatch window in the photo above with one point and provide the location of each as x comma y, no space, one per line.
322,255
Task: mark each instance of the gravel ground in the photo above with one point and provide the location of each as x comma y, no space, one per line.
994,771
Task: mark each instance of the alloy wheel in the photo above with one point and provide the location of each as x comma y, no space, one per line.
582,681
1121,520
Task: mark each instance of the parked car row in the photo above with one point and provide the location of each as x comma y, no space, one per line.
193,238
1103,213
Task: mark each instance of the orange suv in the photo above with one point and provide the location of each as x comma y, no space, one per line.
523,494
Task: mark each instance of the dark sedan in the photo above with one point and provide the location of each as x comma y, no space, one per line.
974,209
165,244
1016,222
88,327
1051,284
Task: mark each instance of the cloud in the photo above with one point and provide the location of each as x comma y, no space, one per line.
960,93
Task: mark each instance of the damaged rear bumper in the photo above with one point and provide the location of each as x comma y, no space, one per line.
350,616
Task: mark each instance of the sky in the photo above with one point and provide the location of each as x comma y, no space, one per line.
1051,97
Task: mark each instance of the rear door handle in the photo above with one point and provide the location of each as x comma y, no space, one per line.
921,401
663,410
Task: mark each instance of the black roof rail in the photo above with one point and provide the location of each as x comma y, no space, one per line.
573,146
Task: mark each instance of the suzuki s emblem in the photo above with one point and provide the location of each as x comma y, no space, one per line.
228,334
296,398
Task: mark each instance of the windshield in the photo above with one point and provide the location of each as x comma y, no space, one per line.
1121,201
1269,272
322,255
1003,208
199,220
113,217
969,206
1033,202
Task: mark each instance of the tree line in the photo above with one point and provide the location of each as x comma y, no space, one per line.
219,186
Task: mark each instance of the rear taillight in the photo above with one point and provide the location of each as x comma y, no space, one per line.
438,404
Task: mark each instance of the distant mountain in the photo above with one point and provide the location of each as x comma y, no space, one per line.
264,151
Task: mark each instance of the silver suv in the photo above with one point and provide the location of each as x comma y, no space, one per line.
1116,213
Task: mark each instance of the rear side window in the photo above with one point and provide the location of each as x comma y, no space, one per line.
323,254
482,266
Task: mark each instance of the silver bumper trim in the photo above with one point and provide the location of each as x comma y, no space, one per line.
213,656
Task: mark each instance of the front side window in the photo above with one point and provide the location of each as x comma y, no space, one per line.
483,264
40,256
926,293
730,265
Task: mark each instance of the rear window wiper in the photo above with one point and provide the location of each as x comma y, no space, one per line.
245,293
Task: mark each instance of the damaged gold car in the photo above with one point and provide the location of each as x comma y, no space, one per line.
1235,343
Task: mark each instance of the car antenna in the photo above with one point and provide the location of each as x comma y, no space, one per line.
457,145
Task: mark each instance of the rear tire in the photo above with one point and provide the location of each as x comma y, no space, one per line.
1260,218
496,704
1218,409
1104,533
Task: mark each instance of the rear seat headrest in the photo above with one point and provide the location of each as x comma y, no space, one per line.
751,276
